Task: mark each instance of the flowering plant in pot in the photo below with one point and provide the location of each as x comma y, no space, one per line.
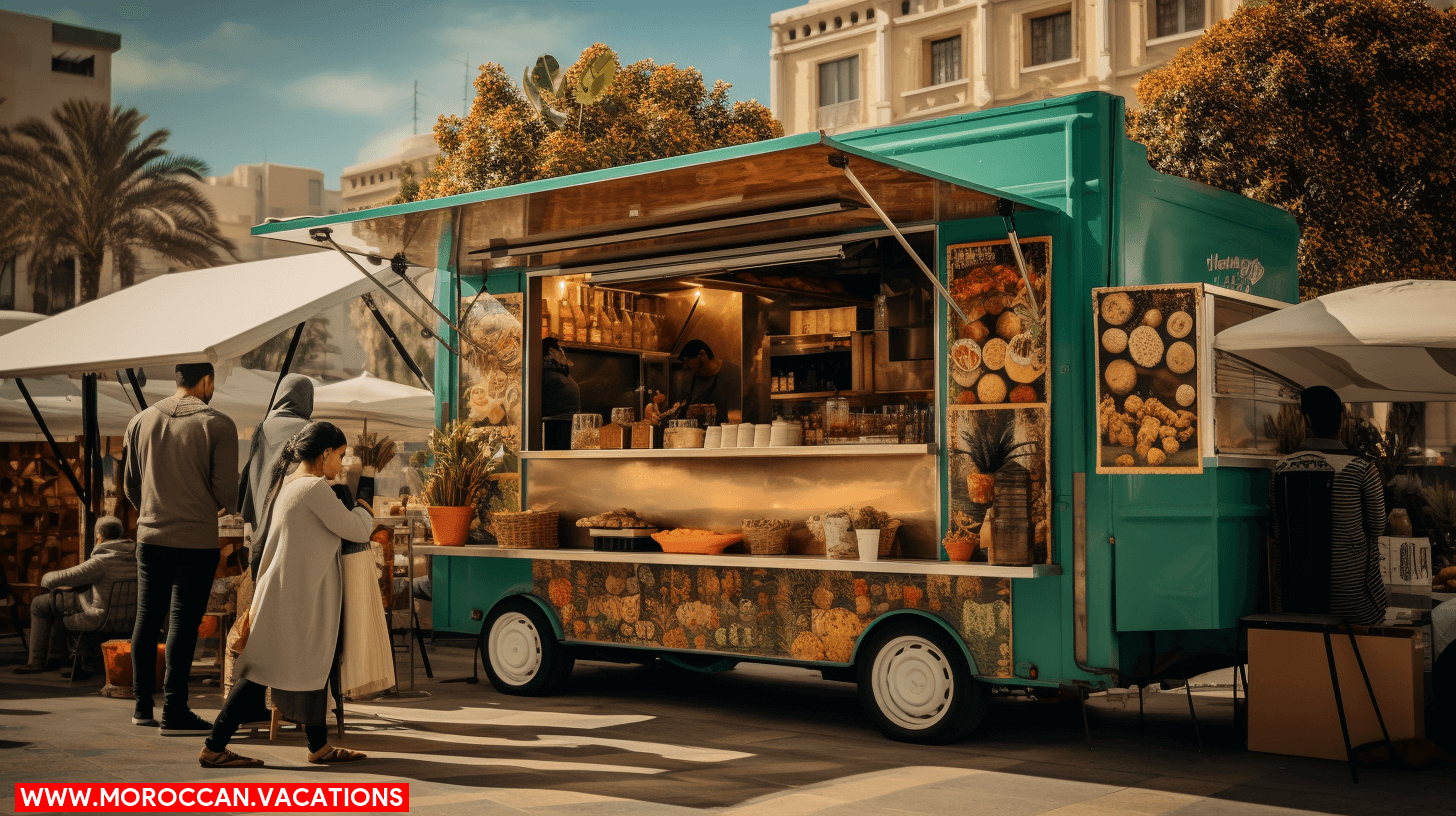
461,462
867,523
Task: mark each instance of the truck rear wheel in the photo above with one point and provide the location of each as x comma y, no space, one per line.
522,655
915,685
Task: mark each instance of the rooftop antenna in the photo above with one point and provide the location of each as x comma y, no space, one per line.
417,108
465,95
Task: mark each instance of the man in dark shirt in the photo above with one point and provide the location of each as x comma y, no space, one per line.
560,395
1328,507
714,381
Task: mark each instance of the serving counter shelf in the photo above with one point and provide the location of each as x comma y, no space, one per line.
735,453
904,566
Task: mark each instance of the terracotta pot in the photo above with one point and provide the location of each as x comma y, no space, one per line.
960,549
116,658
982,487
450,526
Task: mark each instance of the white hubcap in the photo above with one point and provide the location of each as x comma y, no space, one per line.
515,648
912,682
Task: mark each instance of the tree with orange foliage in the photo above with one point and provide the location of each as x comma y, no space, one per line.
650,111
1340,111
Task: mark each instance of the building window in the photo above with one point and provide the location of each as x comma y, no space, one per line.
806,31
353,183
1178,17
315,192
853,17
7,284
793,34
1051,38
945,60
371,178
839,81
79,64
869,14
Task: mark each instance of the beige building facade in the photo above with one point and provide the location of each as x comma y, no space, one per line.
370,184
44,63
840,65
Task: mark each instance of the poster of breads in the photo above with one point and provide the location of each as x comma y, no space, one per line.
1000,356
491,382
1147,379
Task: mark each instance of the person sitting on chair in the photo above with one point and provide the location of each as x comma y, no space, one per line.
113,561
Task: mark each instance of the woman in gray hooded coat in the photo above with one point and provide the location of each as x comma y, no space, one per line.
290,412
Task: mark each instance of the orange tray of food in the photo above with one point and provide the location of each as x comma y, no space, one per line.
696,542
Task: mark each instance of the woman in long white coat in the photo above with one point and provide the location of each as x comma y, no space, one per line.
294,637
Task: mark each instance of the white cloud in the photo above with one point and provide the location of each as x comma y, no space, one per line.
382,144
143,65
513,39
358,92
134,71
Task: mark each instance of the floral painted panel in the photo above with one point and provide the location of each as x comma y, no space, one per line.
810,615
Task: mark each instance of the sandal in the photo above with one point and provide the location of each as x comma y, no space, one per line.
226,759
329,754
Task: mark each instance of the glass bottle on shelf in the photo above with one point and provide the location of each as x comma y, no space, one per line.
594,318
653,339
632,323
566,319
578,314
614,318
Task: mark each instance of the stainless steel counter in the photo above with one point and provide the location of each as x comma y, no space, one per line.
906,566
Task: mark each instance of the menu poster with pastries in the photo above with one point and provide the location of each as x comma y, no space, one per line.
1000,356
491,394
1147,349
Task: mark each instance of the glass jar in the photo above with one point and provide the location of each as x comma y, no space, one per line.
836,419
586,431
624,416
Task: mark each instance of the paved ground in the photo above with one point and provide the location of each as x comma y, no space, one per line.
758,740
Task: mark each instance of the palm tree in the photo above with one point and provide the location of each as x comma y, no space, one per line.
91,184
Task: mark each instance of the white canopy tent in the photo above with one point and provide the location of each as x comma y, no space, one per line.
204,316
404,412
1388,342
208,315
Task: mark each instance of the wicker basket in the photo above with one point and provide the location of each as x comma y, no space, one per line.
527,529
767,536
887,537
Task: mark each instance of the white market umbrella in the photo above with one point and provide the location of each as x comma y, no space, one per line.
1388,342
401,411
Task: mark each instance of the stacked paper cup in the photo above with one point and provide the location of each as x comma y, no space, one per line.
782,434
713,438
729,436
762,435
746,434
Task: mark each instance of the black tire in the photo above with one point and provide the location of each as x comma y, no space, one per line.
915,686
520,651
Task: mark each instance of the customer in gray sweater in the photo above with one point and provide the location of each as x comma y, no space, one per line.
181,473
90,599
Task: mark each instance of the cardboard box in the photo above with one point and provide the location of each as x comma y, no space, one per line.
1292,703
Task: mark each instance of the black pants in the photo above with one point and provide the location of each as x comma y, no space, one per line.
247,702
174,582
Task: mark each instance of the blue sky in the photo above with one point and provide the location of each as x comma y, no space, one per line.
325,84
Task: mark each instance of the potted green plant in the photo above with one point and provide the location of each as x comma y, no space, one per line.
991,443
867,523
461,462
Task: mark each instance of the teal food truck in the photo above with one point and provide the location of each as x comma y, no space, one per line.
985,339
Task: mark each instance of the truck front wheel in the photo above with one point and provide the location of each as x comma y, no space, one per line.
522,655
915,685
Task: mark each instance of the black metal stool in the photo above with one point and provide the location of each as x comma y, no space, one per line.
1325,625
